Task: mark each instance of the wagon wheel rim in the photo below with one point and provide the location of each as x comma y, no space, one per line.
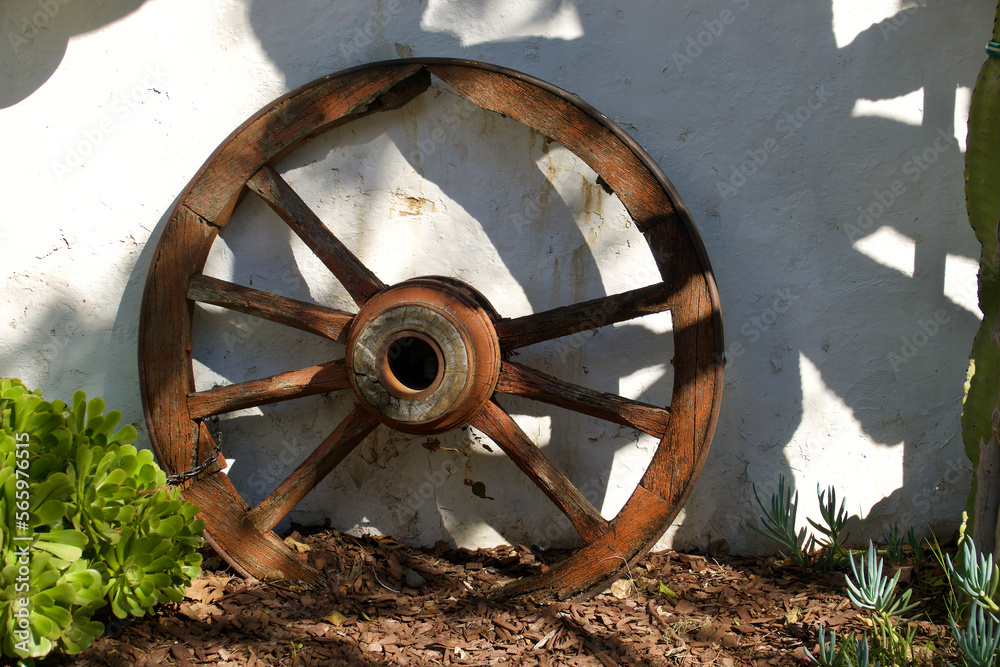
454,320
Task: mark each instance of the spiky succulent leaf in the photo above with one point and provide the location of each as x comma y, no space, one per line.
978,641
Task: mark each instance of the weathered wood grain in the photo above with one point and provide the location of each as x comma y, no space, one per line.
504,431
565,320
281,387
360,282
166,375
698,360
261,554
520,380
320,320
348,435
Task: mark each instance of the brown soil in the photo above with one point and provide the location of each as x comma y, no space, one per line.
717,611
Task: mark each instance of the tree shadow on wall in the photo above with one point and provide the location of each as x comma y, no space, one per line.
35,36
901,319
783,238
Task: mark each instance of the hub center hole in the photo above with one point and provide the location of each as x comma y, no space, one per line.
413,362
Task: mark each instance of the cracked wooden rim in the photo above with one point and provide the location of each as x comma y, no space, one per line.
175,411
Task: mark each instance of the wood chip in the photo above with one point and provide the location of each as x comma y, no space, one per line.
544,640
739,612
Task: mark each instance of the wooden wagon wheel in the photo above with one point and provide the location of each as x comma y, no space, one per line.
430,354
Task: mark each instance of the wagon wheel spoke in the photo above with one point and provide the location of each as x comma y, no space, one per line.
319,320
281,387
504,431
360,282
348,435
566,320
520,380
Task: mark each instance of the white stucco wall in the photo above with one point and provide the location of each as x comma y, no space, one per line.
818,147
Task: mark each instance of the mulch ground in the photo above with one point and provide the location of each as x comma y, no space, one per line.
388,604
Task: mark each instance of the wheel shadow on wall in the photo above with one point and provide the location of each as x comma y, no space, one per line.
766,377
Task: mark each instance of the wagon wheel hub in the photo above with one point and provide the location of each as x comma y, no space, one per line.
423,355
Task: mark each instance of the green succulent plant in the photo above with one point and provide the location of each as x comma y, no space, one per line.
982,194
87,521
869,589
779,524
976,575
978,641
